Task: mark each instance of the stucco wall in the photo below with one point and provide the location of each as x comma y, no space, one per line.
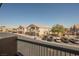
8,44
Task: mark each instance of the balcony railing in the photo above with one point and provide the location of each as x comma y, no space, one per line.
35,47
28,46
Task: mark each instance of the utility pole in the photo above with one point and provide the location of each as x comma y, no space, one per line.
75,30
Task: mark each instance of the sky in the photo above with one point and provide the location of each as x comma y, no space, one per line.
12,14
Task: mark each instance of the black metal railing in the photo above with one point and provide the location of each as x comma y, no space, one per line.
31,47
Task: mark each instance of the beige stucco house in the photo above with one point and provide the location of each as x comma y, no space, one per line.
20,30
38,30
3,29
75,29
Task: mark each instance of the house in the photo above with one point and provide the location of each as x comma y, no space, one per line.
13,30
20,30
75,29
37,30
2,29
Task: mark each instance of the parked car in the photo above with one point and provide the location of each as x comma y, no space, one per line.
72,40
44,37
57,39
75,41
65,39
49,38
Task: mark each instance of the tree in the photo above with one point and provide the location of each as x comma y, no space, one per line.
58,28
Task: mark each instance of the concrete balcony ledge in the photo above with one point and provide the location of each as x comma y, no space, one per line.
6,35
8,44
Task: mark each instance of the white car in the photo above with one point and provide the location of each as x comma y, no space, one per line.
57,39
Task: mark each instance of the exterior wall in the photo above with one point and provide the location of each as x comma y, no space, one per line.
20,30
75,29
32,30
8,45
43,31
25,30
3,30
38,30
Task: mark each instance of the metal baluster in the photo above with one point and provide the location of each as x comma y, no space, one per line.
40,50
49,52
63,53
27,50
59,53
67,54
72,54
45,51
37,51
54,52
34,50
